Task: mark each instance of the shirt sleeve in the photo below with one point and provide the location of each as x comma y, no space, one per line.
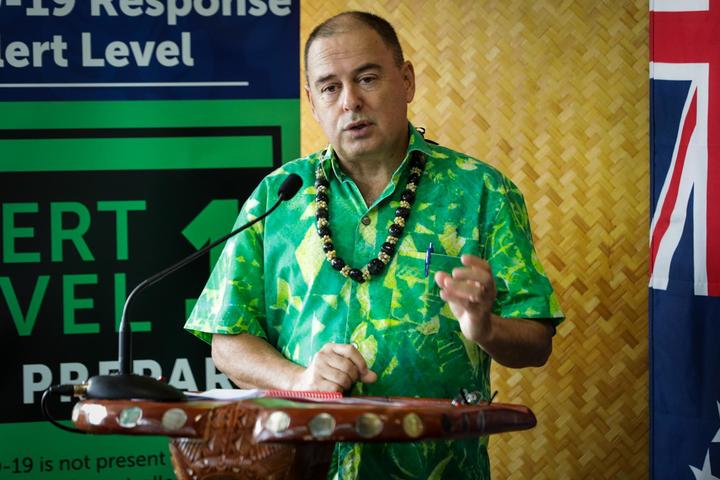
233,300
523,289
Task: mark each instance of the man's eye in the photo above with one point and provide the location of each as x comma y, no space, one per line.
329,89
366,80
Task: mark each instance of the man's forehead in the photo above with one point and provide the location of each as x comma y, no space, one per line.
346,50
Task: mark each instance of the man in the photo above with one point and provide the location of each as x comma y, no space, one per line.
400,269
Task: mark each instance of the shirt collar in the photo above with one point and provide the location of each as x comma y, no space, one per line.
330,165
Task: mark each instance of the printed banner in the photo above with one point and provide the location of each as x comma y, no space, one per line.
685,239
130,134
148,49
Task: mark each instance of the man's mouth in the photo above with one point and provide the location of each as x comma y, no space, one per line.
357,126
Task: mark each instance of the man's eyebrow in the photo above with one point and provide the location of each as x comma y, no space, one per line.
362,68
367,66
324,79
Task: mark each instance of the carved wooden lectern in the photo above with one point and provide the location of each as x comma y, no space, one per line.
272,437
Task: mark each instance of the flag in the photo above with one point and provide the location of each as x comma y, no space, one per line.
684,299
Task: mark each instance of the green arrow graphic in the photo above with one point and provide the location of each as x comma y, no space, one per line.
214,221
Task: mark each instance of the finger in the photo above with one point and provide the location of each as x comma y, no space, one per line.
335,367
474,261
333,375
369,377
453,298
476,274
476,269
328,347
343,364
358,363
440,278
469,290
351,353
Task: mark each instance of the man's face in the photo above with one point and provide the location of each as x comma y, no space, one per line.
359,95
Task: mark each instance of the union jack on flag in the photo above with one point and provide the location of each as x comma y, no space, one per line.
684,306
685,50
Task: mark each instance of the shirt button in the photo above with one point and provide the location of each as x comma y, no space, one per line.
365,220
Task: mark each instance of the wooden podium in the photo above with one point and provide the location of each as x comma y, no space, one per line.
276,437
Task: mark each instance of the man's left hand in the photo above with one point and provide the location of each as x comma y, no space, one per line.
470,292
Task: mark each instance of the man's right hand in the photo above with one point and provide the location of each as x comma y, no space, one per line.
335,368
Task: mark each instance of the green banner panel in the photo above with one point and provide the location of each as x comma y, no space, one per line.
131,133
40,136
39,451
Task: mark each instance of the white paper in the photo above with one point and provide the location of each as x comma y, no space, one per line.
226,394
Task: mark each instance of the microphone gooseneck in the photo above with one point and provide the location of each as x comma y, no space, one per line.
127,385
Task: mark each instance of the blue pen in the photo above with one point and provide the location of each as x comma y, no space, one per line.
428,253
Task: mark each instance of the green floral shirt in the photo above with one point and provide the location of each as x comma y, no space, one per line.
273,281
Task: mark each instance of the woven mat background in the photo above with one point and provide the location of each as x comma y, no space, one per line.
554,94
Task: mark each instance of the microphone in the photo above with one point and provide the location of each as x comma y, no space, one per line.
127,385
290,186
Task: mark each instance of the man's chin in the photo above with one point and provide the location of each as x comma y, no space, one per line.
359,149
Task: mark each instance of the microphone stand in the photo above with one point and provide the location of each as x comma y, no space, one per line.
127,385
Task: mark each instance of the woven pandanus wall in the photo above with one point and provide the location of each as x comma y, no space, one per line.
554,94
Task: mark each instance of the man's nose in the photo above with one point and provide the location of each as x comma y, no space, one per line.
352,99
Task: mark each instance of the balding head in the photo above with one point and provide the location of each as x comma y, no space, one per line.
347,22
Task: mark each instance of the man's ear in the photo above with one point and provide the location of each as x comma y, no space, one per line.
407,71
308,94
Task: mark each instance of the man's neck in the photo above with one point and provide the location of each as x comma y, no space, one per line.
372,174
371,177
